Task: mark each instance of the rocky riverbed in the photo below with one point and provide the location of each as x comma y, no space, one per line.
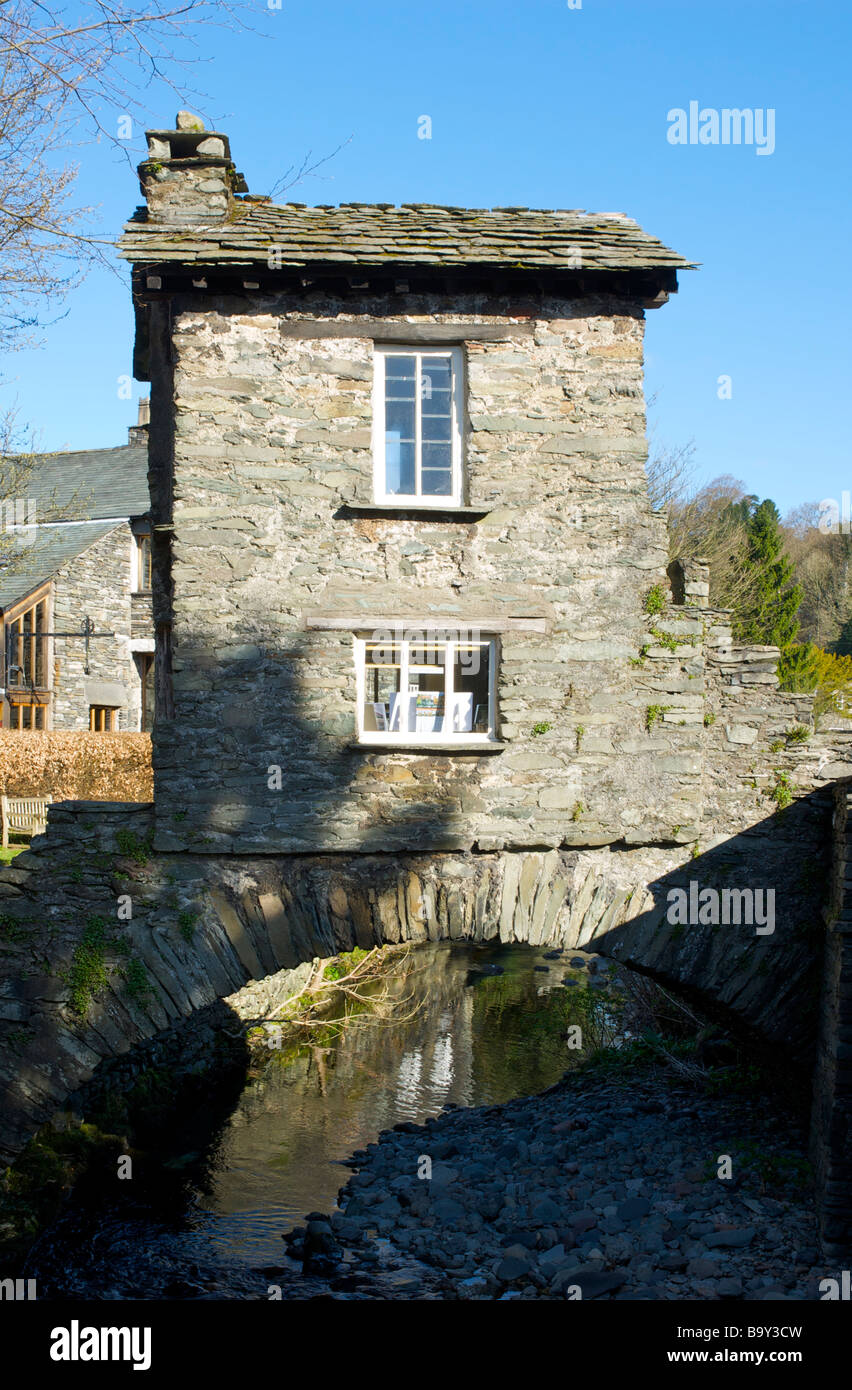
602,1187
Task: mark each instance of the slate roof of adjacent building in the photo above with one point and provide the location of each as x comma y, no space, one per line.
415,234
32,561
84,495
90,484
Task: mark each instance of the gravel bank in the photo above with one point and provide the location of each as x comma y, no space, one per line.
597,1188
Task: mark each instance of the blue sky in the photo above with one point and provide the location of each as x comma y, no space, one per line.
542,104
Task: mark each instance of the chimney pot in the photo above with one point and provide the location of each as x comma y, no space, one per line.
138,433
188,176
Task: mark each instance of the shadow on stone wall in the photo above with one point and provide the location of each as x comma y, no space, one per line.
208,925
215,778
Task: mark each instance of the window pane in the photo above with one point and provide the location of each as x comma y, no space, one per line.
399,376
470,712
28,627
381,685
429,653
400,425
435,427
436,473
435,376
400,420
41,628
399,466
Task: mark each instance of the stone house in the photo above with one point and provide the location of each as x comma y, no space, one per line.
78,551
403,547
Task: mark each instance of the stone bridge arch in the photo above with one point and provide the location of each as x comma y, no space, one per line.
205,928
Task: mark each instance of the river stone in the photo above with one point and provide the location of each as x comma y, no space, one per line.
447,1210
443,1175
633,1209
731,1239
546,1211
591,1281
515,1264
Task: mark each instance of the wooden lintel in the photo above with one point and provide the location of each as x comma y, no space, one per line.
399,330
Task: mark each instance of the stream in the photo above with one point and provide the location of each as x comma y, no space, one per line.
471,1026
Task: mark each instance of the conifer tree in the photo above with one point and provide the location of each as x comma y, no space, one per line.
770,616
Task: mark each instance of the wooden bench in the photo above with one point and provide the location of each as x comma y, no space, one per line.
25,814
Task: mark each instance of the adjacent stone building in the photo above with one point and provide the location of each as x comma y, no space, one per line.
77,553
404,556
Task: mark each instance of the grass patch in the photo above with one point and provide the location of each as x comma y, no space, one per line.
654,714
137,985
655,599
130,845
186,924
665,639
782,792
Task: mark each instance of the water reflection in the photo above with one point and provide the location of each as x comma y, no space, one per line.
472,1026
490,1024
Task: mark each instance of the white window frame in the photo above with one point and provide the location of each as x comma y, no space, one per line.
380,492
382,738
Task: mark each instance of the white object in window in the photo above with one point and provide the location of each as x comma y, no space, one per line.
437,689
416,426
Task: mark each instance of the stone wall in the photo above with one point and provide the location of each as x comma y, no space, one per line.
97,584
832,1113
271,441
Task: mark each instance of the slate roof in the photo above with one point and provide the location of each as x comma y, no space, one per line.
31,564
91,488
415,234
90,484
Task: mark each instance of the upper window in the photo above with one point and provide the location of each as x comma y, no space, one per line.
417,434
143,562
26,655
426,688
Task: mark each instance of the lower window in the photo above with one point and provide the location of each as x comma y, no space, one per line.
424,688
103,719
27,714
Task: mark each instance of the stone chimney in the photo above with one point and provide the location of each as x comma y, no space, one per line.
138,433
189,176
